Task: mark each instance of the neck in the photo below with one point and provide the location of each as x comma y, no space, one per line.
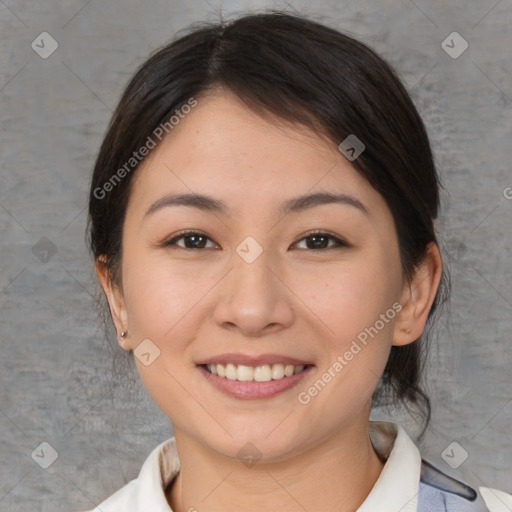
336,475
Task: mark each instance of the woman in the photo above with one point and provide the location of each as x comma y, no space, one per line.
262,220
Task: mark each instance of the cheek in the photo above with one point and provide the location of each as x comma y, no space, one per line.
355,305
163,304
158,294
166,303
349,297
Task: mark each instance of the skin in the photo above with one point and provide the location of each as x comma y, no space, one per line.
294,300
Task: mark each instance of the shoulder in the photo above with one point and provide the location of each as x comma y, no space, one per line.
439,492
123,499
147,491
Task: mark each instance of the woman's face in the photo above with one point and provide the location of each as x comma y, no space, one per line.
254,286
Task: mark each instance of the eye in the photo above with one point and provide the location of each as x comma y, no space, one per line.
320,240
193,240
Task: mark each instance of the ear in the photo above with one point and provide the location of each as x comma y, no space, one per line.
115,299
417,298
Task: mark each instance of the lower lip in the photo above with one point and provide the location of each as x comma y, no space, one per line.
253,390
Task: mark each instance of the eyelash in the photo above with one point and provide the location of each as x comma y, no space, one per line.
184,234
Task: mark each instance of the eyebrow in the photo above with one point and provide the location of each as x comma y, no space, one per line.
307,201
294,205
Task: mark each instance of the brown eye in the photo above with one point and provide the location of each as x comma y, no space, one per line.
192,240
321,241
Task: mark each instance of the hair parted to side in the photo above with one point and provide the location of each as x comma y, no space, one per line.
298,70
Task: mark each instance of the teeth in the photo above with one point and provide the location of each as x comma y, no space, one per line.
277,371
231,371
244,373
263,373
288,370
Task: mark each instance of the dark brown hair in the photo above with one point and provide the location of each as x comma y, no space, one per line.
302,72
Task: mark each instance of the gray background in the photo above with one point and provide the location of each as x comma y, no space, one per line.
56,372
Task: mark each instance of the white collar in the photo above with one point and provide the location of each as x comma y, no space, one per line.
397,486
395,489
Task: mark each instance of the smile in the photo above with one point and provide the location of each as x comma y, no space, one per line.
262,373
250,376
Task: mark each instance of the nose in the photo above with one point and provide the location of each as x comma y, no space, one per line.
254,298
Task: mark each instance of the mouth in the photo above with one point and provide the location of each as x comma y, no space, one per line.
254,378
261,373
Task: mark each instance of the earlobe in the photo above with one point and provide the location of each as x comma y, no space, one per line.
115,301
417,298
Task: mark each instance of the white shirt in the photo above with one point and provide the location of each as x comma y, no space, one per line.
403,484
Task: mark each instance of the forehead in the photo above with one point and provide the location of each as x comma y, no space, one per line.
225,149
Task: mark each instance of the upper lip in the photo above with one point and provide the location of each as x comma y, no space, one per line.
253,360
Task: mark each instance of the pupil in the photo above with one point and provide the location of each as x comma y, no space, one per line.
317,237
195,237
